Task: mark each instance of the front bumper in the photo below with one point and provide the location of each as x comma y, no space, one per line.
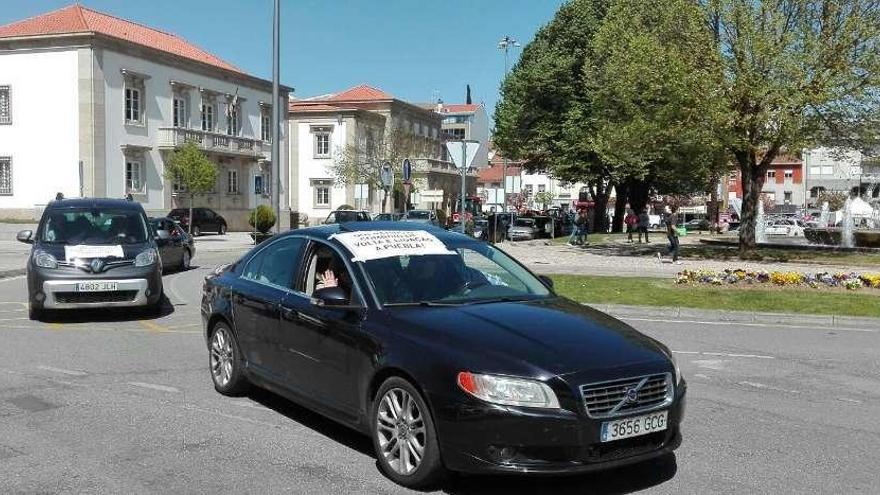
58,288
482,438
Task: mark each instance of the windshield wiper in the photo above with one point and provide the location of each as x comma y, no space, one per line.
500,299
423,303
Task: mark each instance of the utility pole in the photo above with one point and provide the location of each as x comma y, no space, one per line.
505,44
276,115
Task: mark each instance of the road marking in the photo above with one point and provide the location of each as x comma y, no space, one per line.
17,277
152,327
724,354
250,405
64,372
153,386
844,399
746,324
55,326
768,387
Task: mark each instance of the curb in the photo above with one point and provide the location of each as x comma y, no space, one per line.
12,273
684,314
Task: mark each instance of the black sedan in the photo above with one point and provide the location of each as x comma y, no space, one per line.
442,348
178,248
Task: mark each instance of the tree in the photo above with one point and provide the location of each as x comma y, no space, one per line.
360,162
193,171
543,198
798,73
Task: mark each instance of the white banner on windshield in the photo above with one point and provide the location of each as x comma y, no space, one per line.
86,251
376,244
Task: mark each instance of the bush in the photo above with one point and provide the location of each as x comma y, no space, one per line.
262,218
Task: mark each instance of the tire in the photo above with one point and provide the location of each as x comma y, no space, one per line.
155,309
222,230
196,231
388,423
185,260
224,361
34,314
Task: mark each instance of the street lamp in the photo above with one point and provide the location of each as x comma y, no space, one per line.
276,113
506,44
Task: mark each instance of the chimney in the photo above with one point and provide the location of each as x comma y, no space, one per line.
468,99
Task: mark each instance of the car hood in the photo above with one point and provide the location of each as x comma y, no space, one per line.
57,250
556,335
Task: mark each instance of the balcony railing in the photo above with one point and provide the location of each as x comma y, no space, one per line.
174,137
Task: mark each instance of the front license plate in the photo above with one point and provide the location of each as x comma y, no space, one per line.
633,427
97,286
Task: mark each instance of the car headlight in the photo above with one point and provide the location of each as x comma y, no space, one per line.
508,391
146,258
677,369
45,260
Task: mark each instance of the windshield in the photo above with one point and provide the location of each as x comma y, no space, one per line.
476,273
419,215
84,226
522,222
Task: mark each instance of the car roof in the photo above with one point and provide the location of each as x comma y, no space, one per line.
92,203
325,231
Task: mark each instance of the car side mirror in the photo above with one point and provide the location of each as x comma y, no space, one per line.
163,235
331,296
25,236
546,280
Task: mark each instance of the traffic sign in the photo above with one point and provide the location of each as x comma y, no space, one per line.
407,170
470,153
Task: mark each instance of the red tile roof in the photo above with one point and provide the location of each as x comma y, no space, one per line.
462,108
78,19
493,173
360,93
305,106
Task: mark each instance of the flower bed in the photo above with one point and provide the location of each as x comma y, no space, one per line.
850,281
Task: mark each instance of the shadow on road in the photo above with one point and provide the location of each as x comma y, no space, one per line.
104,315
616,481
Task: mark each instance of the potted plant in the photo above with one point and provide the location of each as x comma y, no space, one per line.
262,219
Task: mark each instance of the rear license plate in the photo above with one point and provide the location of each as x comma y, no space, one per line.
633,427
97,286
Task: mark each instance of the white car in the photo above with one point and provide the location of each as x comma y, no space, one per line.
784,227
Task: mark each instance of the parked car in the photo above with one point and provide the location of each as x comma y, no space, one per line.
784,227
480,226
447,352
420,216
697,224
179,249
387,217
341,216
655,221
205,220
93,253
522,229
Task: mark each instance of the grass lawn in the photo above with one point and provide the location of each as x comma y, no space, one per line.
772,299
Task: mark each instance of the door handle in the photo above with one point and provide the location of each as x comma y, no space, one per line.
289,314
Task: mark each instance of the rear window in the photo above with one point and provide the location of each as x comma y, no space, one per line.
419,215
94,226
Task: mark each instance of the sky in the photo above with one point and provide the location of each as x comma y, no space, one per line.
413,49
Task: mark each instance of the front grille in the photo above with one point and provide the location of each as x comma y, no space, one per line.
628,447
610,399
95,297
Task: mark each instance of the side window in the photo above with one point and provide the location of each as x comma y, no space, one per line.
277,263
324,268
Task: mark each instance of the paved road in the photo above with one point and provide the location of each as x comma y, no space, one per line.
115,404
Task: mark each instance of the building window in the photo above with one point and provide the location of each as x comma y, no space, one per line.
529,190
133,105
179,111
266,124
322,141
5,105
177,187
208,116
789,174
134,177
771,174
827,170
787,197
542,188
232,181
5,176
233,119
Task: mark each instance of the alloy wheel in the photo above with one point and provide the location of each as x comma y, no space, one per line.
400,428
221,356
186,260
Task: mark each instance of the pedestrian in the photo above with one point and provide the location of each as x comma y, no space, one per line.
672,235
631,221
581,227
644,224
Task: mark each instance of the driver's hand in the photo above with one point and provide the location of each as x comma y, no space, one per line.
328,279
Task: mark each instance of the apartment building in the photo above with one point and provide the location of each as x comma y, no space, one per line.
93,105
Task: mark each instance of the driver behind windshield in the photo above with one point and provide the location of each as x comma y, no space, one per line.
435,277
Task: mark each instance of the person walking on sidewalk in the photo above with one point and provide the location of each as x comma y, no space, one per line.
672,235
644,224
631,221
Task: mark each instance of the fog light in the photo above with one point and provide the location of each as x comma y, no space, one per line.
501,454
147,293
39,296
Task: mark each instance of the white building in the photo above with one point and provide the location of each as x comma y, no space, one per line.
91,105
323,127
466,121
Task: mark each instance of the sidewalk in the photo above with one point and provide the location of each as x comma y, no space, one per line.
744,317
543,258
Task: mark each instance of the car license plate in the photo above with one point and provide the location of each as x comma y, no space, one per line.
97,286
633,427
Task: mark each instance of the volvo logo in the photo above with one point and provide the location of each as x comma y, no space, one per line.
97,265
631,396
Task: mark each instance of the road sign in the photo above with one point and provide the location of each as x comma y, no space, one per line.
407,170
386,175
470,148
